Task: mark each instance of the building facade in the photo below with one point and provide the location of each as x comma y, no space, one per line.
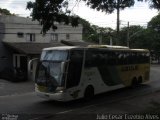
21,40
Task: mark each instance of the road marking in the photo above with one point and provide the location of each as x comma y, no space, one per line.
63,112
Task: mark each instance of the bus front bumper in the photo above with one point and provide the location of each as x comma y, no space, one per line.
52,96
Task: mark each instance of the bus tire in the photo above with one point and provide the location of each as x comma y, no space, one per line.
134,82
89,93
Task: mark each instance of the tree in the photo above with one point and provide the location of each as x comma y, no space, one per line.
5,12
87,29
155,23
144,38
109,6
154,28
155,4
134,33
47,12
91,33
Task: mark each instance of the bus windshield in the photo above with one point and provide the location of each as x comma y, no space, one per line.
54,55
49,71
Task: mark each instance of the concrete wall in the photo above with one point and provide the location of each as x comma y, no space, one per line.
14,25
6,59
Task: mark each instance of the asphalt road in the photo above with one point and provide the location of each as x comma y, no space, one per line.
29,106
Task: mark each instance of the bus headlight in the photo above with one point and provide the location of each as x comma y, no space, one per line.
60,90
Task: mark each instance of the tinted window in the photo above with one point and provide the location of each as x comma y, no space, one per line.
55,55
75,68
96,58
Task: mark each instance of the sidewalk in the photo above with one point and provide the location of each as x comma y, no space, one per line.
11,88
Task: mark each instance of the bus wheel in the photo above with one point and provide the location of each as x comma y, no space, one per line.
134,82
89,93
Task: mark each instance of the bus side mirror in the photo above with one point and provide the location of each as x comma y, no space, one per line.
32,65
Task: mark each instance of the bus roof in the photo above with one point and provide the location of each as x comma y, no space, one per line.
106,47
119,48
61,48
140,50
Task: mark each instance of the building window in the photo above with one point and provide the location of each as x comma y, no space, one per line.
54,37
20,34
67,36
30,37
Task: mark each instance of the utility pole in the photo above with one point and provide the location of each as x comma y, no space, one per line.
128,39
110,38
118,12
100,38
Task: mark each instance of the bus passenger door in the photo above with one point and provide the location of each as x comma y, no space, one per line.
74,72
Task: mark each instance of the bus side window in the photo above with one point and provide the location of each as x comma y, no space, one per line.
131,59
75,67
147,58
120,58
88,58
99,59
139,57
109,61
113,58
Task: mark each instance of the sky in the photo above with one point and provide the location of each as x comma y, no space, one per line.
140,14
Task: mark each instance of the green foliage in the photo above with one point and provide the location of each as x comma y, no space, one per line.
87,30
91,33
5,12
109,6
155,4
48,12
155,23
142,40
145,38
139,37
153,31
134,32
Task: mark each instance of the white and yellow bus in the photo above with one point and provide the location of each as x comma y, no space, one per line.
69,73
